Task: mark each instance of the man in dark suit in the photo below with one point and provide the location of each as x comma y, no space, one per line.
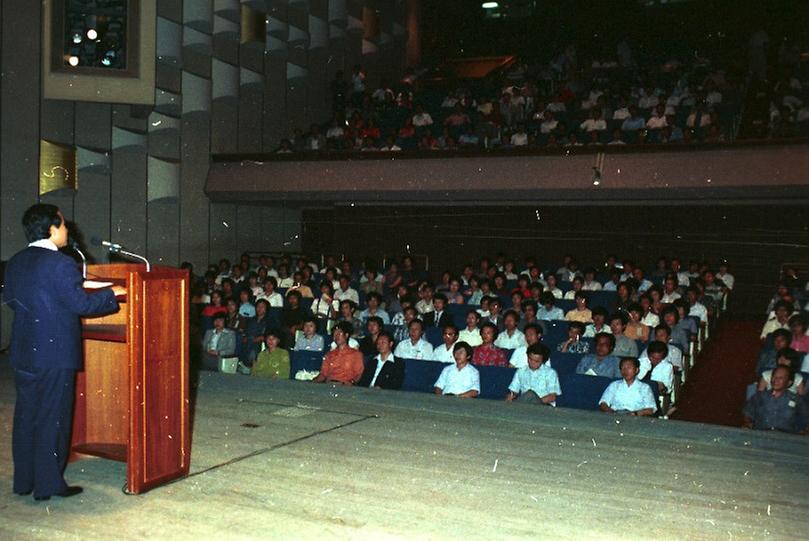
440,317
44,288
383,371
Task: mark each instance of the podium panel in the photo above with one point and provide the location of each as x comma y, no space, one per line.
132,394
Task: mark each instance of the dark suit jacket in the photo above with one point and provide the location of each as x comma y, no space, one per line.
44,288
391,376
445,319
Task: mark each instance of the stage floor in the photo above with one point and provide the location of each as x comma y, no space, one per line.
326,462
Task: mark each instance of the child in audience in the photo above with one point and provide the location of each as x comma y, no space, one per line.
628,395
273,362
536,383
574,343
309,340
487,354
602,363
460,379
471,334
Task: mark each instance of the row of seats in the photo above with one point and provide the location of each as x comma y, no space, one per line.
578,391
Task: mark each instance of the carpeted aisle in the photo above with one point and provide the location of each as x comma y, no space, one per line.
715,392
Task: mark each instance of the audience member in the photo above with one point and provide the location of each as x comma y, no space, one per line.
385,371
628,395
343,364
602,362
535,383
273,362
461,379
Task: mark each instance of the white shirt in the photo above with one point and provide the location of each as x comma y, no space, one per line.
470,337
504,341
349,294
442,354
519,139
621,113
591,286
620,396
275,299
656,122
380,363
548,126
44,243
651,320
422,119
664,373
321,307
669,298
699,310
543,381
352,343
421,350
454,381
590,331
593,124
727,279
423,307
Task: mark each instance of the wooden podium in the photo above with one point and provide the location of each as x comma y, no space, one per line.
132,395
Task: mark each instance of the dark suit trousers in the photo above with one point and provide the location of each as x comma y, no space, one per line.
43,416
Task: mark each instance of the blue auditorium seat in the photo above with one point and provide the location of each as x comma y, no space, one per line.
274,316
458,313
420,375
494,381
565,363
434,336
604,299
580,391
555,332
304,360
564,285
565,304
306,303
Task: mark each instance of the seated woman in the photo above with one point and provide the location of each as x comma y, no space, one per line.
216,307
635,329
273,362
578,285
460,379
551,288
453,294
234,321
581,313
487,354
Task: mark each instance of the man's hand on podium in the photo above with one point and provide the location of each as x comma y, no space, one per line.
120,291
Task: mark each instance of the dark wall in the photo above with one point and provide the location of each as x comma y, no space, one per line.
756,240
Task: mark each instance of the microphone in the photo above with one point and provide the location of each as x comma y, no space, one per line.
95,241
75,246
118,249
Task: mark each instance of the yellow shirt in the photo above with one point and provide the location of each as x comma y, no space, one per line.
585,316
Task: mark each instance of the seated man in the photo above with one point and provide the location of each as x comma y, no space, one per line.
374,300
785,357
602,363
439,317
471,334
574,343
599,323
656,361
529,314
487,354
444,353
536,383
293,314
549,312
629,395
273,362
511,337
343,364
373,327
461,379
346,292
218,343
519,357
415,347
309,340
269,294
385,371
777,408
624,346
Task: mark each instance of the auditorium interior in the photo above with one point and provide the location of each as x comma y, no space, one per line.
637,159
